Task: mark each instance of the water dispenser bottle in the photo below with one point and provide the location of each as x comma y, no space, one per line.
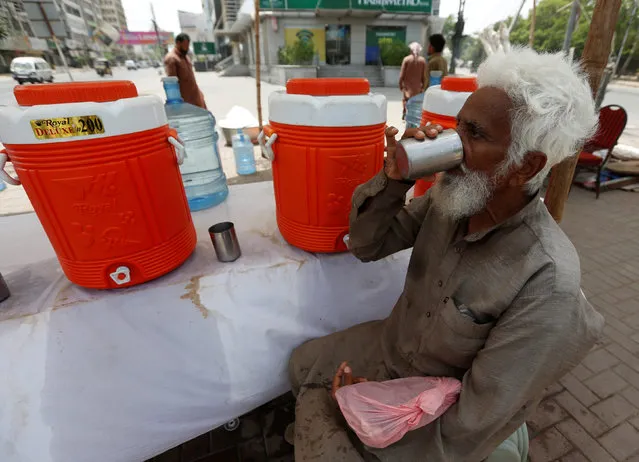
435,78
243,152
202,174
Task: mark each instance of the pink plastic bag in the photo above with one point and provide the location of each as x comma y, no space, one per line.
381,413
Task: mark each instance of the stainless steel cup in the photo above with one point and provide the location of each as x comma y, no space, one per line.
417,159
225,242
4,289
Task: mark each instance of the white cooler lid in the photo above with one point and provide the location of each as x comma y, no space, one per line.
327,103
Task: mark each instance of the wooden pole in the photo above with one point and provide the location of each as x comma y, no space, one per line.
258,65
531,36
593,61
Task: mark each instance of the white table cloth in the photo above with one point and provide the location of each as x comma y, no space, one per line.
120,376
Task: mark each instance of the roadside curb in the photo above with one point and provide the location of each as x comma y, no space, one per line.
626,83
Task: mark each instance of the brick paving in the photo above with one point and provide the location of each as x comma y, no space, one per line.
592,414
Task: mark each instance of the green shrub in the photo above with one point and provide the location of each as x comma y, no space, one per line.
393,53
283,55
300,53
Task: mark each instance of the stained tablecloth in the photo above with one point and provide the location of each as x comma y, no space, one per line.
120,376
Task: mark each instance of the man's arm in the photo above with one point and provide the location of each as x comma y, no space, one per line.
402,75
170,67
426,76
534,343
380,223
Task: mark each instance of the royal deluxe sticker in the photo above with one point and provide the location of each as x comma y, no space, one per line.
65,127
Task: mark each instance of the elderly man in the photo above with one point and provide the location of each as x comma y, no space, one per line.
413,75
492,293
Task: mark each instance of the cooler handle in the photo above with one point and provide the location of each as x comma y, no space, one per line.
178,147
3,174
267,147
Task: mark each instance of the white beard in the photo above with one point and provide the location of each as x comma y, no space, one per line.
462,196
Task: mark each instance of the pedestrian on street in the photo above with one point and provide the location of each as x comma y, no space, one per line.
177,64
413,77
436,62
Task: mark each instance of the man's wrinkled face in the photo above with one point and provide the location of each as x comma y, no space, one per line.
483,125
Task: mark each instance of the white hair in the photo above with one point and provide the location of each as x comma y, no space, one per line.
415,48
553,110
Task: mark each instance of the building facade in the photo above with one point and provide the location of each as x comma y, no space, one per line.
113,13
345,34
82,18
20,39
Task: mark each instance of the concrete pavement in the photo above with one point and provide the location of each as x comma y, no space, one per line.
627,97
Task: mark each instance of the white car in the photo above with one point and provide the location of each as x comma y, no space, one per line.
131,65
29,69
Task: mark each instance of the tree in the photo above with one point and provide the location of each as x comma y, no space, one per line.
552,18
473,50
449,30
300,53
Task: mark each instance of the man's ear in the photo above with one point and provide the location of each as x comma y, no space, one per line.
534,162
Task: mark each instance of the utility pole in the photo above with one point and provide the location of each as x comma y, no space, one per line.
87,52
157,33
570,28
458,37
531,35
258,64
625,37
594,59
206,7
516,17
54,38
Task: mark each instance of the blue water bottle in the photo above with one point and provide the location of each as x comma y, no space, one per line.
202,174
435,78
243,152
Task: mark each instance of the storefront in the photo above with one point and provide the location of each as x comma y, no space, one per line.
342,32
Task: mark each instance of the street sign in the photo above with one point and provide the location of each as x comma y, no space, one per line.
394,6
45,18
204,48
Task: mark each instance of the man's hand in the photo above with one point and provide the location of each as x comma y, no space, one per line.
390,167
343,377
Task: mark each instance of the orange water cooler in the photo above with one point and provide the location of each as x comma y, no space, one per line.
100,166
325,137
441,105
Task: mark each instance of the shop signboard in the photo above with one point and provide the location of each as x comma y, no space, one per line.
204,48
394,6
144,38
273,4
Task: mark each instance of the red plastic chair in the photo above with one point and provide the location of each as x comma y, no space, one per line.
612,121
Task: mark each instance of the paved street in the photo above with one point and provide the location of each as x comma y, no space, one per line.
628,98
592,414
